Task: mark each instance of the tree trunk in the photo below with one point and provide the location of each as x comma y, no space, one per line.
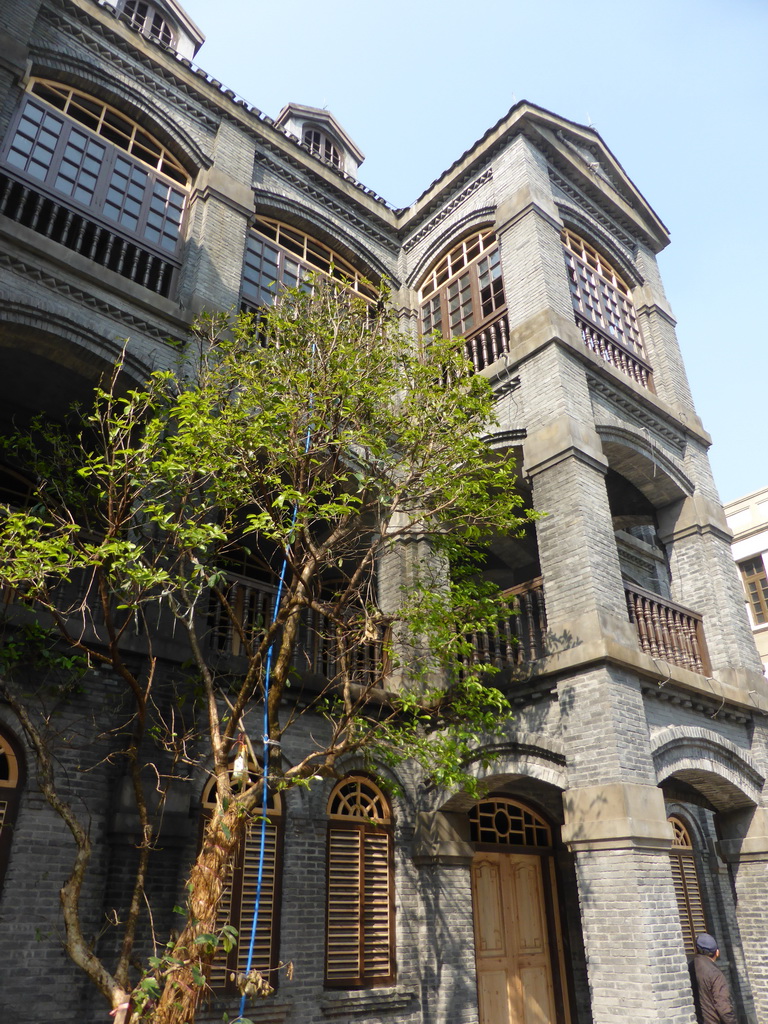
183,989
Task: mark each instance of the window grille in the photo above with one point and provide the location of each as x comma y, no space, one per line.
686,882
502,821
238,900
360,909
756,588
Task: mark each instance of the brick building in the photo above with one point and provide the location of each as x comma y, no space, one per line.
625,810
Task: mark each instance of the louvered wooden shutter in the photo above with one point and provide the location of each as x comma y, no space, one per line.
343,961
687,889
377,936
238,903
359,943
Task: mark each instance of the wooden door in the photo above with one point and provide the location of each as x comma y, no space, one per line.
514,965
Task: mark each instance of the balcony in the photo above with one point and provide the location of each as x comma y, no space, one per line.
489,344
616,354
85,235
520,638
668,631
315,651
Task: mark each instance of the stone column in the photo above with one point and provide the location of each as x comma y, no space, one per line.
745,848
636,962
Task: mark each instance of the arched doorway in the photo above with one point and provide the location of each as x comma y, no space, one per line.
518,939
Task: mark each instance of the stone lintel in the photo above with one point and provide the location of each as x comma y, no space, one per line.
563,438
617,816
694,515
748,841
439,839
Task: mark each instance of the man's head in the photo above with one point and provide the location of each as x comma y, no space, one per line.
707,944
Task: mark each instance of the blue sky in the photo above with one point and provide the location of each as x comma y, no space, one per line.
677,89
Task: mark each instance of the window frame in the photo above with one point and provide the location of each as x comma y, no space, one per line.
297,255
366,828
755,589
687,884
460,264
606,293
323,146
10,795
231,909
152,14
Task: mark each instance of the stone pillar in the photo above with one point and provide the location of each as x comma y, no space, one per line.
705,579
444,857
220,207
636,962
745,848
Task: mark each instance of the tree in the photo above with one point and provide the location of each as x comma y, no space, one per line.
303,446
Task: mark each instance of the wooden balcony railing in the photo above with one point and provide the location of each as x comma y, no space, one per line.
668,631
315,651
615,354
489,344
520,638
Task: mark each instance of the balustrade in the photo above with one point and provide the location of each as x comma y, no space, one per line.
86,236
490,344
615,354
668,631
519,638
315,651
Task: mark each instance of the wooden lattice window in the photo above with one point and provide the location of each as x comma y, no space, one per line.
278,256
464,288
93,179
600,294
501,821
687,889
322,145
756,587
239,899
360,941
11,781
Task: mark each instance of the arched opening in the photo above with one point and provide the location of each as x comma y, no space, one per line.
519,949
360,927
12,775
463,296
239,900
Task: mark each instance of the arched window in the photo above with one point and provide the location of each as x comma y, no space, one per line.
147,19
278,256
322,145
360,943
463,296
687,889
501,821
239,899
85,175
605,313
11,781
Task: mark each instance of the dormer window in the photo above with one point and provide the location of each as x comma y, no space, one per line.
146,19
323,146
